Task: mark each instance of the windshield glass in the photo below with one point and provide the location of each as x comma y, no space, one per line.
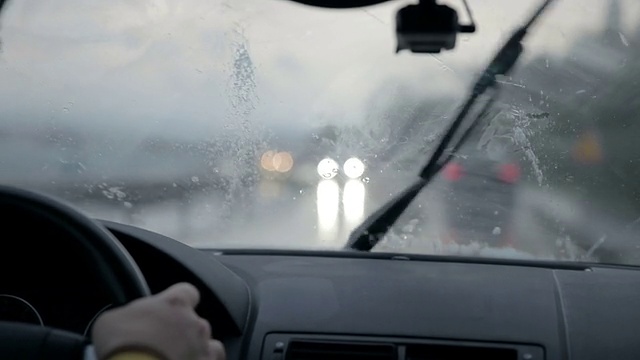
269,124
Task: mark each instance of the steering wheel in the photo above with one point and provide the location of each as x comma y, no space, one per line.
122,277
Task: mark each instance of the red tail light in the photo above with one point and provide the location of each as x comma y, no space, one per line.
453,171
509,173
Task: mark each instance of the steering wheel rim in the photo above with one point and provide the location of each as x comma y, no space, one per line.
123,279
116,267
34,342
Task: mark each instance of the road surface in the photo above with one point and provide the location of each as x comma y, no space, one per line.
321,216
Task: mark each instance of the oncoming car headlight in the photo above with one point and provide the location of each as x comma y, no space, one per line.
328,168
353,168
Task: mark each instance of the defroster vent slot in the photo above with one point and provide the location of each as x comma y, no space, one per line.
339,350
455,352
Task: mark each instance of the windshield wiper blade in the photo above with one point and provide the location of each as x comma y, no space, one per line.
373,229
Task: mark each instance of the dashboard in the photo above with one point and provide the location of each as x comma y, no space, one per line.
295,305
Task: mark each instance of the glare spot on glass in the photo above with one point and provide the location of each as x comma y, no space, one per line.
328,202
353,197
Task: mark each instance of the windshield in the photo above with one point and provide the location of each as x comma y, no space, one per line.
269,124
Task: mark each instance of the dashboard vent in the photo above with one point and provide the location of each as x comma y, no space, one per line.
451,352
339,350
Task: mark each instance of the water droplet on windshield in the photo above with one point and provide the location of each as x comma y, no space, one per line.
497,231
114,192
623,38
195,179
65,109
301,191
330,174
365,180
128,205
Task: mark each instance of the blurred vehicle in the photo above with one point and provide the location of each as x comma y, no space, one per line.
294,147
478,199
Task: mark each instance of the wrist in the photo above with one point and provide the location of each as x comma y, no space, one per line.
132,355
133,352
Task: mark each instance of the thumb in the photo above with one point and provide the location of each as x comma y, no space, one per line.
216,350
181,294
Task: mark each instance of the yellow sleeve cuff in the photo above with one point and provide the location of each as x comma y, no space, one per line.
133,355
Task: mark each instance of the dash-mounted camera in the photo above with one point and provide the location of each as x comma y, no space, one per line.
429,27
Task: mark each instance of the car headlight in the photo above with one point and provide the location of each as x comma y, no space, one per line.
353,168
283,162
328,168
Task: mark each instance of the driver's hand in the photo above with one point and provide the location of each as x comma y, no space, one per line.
164,325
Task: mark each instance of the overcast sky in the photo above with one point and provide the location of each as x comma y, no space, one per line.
164,66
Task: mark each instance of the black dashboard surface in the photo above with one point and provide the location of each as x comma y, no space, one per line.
572,312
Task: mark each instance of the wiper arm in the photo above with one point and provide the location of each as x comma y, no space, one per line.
373,229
